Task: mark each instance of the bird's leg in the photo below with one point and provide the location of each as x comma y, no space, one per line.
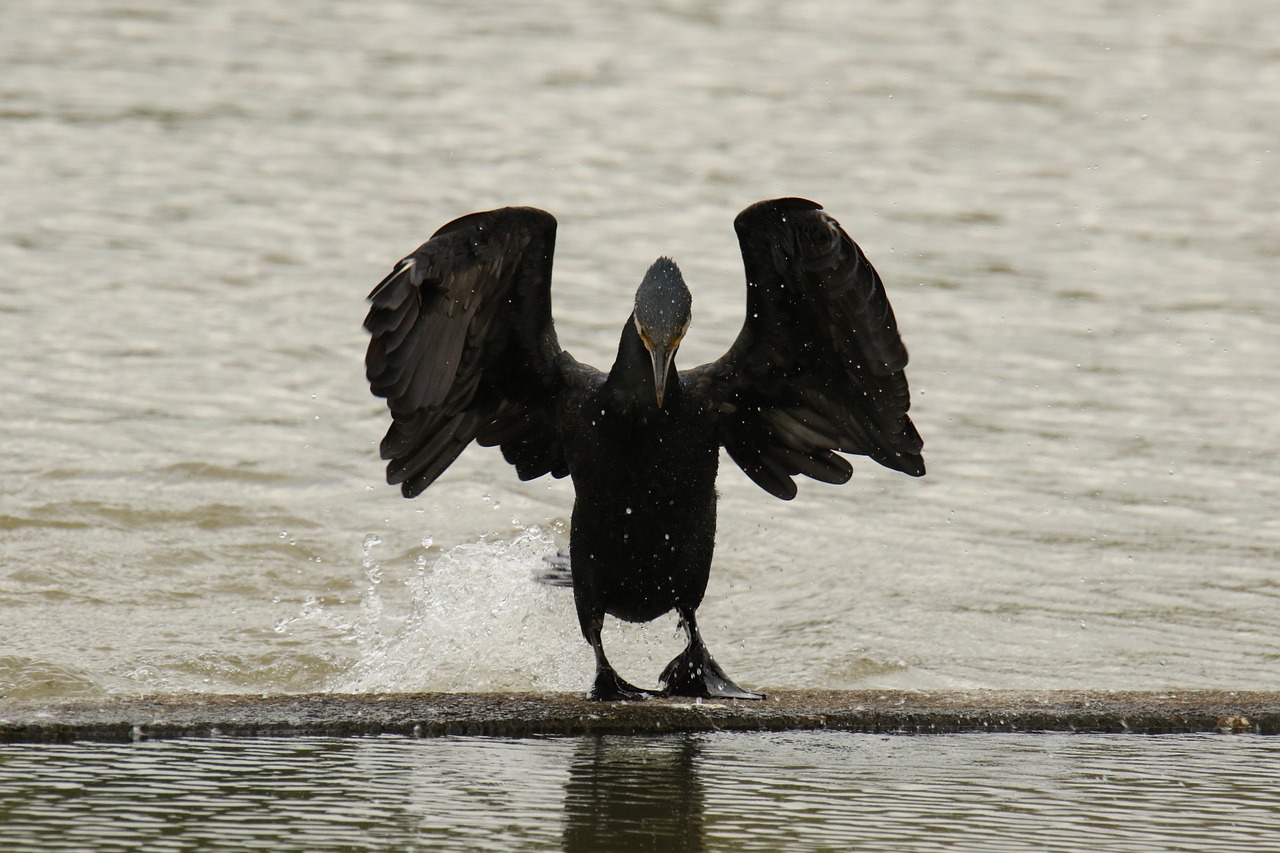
608,685
695,673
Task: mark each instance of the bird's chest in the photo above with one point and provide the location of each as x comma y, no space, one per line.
644,518
666,456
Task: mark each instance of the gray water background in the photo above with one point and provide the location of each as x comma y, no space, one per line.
1073,206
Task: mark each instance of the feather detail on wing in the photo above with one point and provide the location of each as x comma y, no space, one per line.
818,366
463,348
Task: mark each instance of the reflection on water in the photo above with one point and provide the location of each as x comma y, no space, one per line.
634,794
728,791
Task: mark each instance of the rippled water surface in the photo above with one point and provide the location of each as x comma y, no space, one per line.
811,791
1073,206
1074,212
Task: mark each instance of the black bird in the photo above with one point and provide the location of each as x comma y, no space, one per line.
463,349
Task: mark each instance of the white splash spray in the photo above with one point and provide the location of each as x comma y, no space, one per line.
479,621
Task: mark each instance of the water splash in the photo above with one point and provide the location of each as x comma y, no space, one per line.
478,621
371,604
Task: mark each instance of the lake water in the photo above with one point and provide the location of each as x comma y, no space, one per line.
723,791
1073,207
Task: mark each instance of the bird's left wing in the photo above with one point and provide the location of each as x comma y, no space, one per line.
463,347
818,366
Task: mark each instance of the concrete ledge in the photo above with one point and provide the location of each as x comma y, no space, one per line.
527,714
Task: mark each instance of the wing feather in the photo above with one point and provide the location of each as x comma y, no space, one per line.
461,338
818,366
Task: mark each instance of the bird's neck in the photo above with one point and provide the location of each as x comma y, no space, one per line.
629,388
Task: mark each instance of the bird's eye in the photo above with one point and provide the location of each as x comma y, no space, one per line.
644,336
684,330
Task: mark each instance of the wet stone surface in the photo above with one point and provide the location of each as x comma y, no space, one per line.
529,714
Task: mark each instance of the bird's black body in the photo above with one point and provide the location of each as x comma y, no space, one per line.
464,349
652,473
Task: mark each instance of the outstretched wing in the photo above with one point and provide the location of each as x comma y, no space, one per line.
818,366
463,348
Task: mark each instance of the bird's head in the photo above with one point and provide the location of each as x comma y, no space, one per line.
662,313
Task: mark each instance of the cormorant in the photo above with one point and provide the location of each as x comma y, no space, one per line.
463,349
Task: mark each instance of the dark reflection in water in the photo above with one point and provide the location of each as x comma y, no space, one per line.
634,794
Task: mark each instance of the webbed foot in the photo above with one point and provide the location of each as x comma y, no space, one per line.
695,673
555,570
610,687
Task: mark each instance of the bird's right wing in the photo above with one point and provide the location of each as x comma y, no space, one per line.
463,347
